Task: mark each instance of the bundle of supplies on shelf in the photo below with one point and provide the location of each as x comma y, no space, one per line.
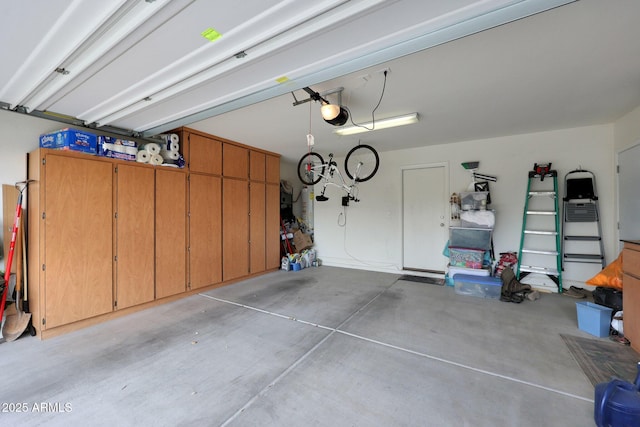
165,152
117,148
70,139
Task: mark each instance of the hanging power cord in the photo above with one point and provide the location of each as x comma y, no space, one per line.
343,224
373,112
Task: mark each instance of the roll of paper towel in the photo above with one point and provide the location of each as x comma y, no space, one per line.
171,155
170,146
131,150
170,137
152,148
156,159
143,156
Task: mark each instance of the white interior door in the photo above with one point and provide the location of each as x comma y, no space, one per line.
424,218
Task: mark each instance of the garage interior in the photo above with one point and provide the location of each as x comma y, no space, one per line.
239,341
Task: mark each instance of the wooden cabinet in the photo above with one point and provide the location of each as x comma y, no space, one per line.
70,226
235,161
108,237
272,226
257,227
631,292
171,232
272,169
235,228
204,153
205,230
135,237
257,165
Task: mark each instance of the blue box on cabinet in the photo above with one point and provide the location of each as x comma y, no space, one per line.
70,139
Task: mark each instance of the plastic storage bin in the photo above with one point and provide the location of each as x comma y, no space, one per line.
466,257
452,271
593,318
475,200
477,286
477,238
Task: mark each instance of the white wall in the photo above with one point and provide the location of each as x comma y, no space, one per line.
372,236
627,130
19,136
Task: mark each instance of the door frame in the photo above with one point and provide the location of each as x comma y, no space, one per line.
447,219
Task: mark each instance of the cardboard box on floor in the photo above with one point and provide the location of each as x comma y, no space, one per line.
302,241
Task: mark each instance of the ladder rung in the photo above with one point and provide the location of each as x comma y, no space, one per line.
585,256
541,232
543,270
541,213
542,193
533,251
583,238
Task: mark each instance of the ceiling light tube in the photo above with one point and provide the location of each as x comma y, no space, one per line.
379,124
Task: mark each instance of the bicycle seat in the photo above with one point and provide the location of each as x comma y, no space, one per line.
322,198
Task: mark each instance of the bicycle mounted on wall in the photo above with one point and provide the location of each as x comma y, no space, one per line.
360,165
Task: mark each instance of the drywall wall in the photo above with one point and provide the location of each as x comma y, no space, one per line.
19,136
627,151
627,130
368,234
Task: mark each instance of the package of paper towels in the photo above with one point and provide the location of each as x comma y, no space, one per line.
117,148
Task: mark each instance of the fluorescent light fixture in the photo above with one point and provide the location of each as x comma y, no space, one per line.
379,124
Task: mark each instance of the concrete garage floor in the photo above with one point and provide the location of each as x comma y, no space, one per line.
319,347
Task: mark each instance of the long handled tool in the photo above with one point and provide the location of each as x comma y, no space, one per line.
7,273
18,321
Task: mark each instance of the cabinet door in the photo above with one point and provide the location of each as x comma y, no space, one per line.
257,164
171,232
235,233
135,225
78,251
272,169
236,161
257,246
205,154
205,230
272,226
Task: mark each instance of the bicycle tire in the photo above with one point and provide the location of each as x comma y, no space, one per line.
307,161
370,162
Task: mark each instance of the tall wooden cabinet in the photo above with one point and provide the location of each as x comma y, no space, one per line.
631,291
134,241
70,230
205,230
171,232
272,211
108,237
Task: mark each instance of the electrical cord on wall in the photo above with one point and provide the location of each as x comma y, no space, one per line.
343,214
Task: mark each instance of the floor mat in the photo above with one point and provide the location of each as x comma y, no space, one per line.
430,280
601,360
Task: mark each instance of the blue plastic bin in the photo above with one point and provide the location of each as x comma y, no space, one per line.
477,286
593,318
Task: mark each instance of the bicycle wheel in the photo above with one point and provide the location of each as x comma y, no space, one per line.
311,168
362,163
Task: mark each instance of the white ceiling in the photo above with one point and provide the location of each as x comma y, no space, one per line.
470,68
573,66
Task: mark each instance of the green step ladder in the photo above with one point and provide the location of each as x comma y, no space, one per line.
540,244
